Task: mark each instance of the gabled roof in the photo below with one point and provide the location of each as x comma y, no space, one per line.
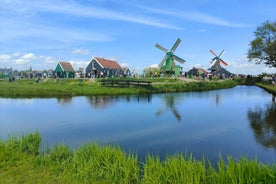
202,70
106,63
197,70
125,69
66,66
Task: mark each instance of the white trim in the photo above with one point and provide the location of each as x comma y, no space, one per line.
97,62
61,66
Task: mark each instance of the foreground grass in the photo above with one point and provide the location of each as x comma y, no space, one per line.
21,161
28,88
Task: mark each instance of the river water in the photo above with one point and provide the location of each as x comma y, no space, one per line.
240,121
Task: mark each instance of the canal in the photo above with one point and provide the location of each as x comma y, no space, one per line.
240,121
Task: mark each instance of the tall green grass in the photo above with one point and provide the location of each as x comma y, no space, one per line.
22,161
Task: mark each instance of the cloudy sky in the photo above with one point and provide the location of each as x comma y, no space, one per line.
39,34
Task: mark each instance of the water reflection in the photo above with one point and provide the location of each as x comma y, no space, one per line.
217,99
263,123
169,102
99,102
106,101
64,100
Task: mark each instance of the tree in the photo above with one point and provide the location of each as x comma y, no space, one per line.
263,47
152,72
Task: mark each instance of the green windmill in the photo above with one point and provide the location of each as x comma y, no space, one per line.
167,65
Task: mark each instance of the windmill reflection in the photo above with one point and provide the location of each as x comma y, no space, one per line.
263,123
169,104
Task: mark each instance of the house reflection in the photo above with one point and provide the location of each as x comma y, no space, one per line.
105,101
139,98
99,102
263,124
64,100
169,102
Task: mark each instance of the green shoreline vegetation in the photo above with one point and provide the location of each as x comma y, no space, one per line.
22,161
28,88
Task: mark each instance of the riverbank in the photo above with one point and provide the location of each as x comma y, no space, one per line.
271,88
29,88
22,161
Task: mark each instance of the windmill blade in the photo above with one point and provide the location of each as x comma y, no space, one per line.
176,114
213,53
161,48
222,52
178,59
223,62
214,60
163,61
175,45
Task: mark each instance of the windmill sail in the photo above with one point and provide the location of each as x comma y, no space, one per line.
175,45
163,60
161,48
178,59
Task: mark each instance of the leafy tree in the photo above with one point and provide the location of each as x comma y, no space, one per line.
263,47
152,71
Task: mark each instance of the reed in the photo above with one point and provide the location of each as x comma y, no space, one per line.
22,161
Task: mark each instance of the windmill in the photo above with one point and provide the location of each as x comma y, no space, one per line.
167,64
216,61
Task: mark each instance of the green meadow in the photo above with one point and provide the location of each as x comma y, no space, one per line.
22,161
29,88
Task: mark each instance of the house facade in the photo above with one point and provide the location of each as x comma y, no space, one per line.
100,67
127,72
64,70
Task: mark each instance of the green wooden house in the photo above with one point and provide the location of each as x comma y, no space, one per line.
64,70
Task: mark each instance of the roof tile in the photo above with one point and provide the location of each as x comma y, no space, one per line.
66,66
106,63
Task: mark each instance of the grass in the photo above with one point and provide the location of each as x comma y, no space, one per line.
268,87
28,88
22,161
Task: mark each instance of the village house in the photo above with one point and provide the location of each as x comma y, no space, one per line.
64,70
127,72
197,72
100,67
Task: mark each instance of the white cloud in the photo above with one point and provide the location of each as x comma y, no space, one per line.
48,59
23,61
78,64
4,58
154,66
195,16
27,58
81,51
75,9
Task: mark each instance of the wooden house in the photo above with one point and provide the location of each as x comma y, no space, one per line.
100,67
64,70
127,72
197,72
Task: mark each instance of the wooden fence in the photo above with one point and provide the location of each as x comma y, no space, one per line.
123,83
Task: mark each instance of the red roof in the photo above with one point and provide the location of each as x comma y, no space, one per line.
106,63
66,66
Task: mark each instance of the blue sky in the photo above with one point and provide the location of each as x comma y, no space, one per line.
39,34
